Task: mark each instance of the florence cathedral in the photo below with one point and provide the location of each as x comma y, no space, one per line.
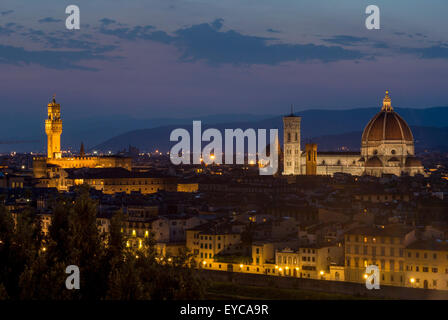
387,147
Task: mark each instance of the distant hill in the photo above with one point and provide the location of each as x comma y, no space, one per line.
115,132
330,129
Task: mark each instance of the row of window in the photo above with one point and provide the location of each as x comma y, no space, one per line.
425,255
209,246
423,269
373,251
365,263
294,261
382,252
356,238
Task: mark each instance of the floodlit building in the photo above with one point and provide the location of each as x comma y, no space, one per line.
387,147
309,261
427,264
383,247
42,166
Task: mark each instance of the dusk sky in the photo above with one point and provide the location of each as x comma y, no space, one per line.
166,58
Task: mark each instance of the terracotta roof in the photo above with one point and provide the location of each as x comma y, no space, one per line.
387,125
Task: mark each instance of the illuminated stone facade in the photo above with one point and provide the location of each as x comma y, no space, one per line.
387,147
383,247
43,166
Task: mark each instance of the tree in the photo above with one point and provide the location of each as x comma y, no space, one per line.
33,266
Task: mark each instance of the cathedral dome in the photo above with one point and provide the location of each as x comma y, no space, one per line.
387,125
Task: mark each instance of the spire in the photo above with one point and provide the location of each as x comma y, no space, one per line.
386,103
54,98
82,152
292,110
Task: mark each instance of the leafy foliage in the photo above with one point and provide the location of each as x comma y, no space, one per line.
32,266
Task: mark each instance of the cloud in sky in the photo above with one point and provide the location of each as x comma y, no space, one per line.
71,48
49,20
346,40
433,52
7,12
207,42
50,59
107,21
6,31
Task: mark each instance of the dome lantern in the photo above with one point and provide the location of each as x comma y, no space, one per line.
387,106
386,125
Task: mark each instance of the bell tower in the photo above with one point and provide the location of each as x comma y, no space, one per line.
291,144
53,129
311,159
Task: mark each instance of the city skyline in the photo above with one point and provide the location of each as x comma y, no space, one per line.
209,151
132,65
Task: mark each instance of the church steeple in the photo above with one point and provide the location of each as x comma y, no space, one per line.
387,106
82,152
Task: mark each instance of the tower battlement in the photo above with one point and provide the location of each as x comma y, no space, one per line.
53,129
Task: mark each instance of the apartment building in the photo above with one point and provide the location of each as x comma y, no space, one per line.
380,246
